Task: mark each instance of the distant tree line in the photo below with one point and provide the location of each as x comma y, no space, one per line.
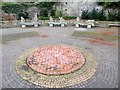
113,15
107,4
20,8
49,9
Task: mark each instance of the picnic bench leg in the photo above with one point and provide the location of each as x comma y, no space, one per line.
23,26
89,26
36,25
62,25
51,25
77,25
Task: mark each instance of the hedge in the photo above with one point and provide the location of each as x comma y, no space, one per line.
43,18
114,16
69,17
96,15
56,17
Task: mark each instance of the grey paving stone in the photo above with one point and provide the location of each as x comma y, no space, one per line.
106,57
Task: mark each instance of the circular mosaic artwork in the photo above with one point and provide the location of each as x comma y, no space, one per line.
56,66
56,59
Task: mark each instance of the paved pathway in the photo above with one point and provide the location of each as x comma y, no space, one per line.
106,75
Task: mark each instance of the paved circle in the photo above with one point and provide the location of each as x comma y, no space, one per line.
106,75
57,81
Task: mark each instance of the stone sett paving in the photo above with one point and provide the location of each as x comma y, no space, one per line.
106,75
57,78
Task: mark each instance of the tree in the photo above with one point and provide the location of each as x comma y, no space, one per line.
58,13
44,12
112,8
47,5
22,14
45,8
12,7
85,15
108,4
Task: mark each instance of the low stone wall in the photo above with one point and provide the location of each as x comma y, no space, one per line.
103,24
9,24
16,23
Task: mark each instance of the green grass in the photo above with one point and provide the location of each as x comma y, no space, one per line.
94,35
17,36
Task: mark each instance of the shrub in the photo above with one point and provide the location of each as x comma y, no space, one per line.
47,5
58,13
101,15
114,16
22,14
85,15
93,14
44,12
97,15
12,7
55,17
52,12
43,18
69,17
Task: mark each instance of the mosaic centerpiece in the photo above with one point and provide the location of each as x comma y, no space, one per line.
56,66
56,59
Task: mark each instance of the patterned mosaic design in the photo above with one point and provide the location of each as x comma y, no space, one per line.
56,81
56,59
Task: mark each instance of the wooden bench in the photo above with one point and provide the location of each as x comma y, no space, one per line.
62,24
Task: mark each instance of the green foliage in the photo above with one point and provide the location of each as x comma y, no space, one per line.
111,4
94,14
47,5
12,7
52,12
43,18
55,17
69,17
100,3
25,5
107,4
58,13
22,14
45,8
114,16
47,18
85,15
101,16
44,12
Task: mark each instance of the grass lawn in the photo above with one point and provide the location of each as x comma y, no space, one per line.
10,37
96,35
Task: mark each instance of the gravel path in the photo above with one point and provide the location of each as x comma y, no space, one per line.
106,75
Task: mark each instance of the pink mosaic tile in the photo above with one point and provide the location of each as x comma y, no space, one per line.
56,59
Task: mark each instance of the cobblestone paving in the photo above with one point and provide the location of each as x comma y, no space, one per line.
55,80
106,75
